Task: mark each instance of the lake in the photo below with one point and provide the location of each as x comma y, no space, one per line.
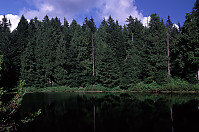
111,112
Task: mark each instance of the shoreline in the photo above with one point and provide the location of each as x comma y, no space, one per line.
82,91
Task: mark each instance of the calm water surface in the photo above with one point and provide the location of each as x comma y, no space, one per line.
106,112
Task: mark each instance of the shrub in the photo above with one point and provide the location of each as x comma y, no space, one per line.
141,86
8,110
177,84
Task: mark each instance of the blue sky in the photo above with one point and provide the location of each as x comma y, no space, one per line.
98,9
177,9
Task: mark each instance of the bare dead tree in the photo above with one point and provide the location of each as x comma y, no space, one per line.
93,56
168,50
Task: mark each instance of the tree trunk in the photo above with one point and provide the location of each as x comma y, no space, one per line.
94,119
168,53
132,37
93,56
171,111
198,73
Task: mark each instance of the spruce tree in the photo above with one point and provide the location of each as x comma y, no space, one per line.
80,59
28,65
107,70
20,37
176,61
60,71
28,61
156,62
8,73
40,50
132,63
72,27
190,39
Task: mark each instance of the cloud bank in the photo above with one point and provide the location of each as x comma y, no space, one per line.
79,9
99,9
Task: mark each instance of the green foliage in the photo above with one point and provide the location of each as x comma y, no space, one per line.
187,55
48,54
155,63
8,110
31,116
108,55
177,84
196,87
99,87
152,87
132,62
1,61
6,49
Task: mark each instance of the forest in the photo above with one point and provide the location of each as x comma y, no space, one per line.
50,53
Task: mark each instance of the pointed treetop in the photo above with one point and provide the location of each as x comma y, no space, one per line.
110,20
169,24
103,23
46,19
23,24
89,24
130,19
73,23
66,24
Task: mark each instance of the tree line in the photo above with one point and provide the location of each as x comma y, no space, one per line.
47,52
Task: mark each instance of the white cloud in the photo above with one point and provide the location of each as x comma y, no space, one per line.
146,21
14,19
118,9
79,9
176,26
60,8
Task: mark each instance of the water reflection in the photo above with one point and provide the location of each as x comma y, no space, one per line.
111,112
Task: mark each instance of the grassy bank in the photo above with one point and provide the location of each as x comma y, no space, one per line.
175,85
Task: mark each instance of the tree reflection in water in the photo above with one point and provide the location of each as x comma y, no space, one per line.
112,112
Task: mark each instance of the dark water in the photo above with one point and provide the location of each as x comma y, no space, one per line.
100,112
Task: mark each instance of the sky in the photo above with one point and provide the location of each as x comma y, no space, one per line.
98,9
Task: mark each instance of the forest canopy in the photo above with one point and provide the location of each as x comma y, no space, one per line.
47,52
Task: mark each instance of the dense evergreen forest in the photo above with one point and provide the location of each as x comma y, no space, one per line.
47,52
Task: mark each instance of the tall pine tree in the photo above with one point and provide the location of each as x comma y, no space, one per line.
155,67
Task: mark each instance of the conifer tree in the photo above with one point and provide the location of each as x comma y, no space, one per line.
53,33
40,49
28,65
46,53
18,42
132,63
21,39
61,59
156,62
72,27
190,39
28,61
176,61
107,70
8,70
80,50
89,28
66,33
